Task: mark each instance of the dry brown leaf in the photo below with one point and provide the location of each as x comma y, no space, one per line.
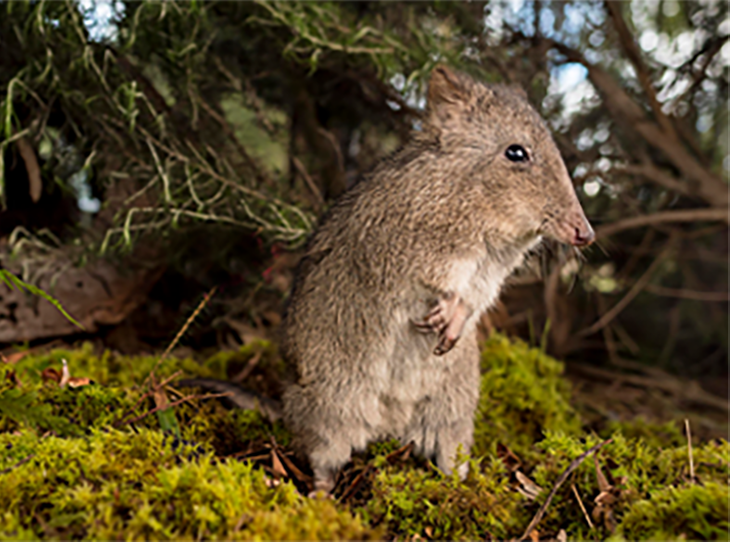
15,357
603,484
50,373
276,466
535,535
562,536
298,474
74,382
273,317
508,457
160,398
607,496
27,153
529,489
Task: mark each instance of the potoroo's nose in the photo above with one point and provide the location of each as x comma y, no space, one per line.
584,236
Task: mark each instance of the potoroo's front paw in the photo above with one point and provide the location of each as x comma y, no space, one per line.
447,319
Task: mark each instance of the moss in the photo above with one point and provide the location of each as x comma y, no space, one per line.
652,434
115,485
417,502
522,395
639,472
691,512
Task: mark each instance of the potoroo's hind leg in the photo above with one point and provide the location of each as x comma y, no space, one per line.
444,421
326,428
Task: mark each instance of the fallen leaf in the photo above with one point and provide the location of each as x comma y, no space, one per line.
15,357
603,484
12,377
528,489
562,536
51,374
276,466
508,457
606,498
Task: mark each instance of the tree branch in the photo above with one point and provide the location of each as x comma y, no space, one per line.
689,215
632,52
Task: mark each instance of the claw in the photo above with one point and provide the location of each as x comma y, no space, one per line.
446,319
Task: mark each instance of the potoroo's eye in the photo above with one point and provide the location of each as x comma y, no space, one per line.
516,153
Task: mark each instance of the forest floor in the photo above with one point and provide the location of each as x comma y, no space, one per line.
95,444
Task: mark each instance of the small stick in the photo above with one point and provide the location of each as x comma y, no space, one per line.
18,464
573,465
689,450
174,404
206,297
583,508
146,396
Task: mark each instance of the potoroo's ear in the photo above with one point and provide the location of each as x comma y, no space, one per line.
449,94
446,87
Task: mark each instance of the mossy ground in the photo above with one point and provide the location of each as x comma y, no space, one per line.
73,466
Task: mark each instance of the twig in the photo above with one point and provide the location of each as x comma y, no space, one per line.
176,403
308,181
689,451
573,465
689,215
145,396
18,464
655,175
686,391
250,364
684,293
184,328
639,285
583,508
632,51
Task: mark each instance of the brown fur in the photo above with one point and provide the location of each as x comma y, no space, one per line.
381,326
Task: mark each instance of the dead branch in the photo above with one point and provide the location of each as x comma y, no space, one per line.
627,112
681,389
684,293
684,215
632,293
632,52
652,173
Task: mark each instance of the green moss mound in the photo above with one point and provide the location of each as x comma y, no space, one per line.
114,485
523,394
70,469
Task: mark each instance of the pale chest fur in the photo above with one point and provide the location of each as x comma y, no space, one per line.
406,370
